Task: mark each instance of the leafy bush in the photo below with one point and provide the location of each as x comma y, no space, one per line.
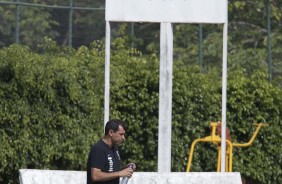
197,102
50,112
52,105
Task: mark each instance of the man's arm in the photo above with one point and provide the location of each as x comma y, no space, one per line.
97,175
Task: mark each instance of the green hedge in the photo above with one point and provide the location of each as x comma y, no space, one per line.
197,102
51,111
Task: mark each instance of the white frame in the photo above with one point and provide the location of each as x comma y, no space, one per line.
167,12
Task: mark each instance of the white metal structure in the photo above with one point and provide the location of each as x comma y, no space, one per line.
167,12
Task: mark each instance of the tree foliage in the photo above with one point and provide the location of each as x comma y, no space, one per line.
197,102
52,105
50,110
40,18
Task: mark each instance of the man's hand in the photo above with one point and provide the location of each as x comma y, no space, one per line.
127,172
132,165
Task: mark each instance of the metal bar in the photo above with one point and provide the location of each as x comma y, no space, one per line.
107,73
17,34
70,23
224,91
132,33
269,54
165,98
49,6
201,46
252,138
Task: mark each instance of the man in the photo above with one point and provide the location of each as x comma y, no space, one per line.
103,165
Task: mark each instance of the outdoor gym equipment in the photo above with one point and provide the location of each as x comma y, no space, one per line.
216,139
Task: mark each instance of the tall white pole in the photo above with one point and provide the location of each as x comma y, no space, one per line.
107,73
224,92
165,98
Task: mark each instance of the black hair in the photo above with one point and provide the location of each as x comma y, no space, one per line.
114,124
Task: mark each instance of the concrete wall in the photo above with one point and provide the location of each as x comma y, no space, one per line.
32,176
185,178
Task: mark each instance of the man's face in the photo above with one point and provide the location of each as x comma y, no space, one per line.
118,137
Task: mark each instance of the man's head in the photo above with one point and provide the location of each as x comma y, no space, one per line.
115,129
114,124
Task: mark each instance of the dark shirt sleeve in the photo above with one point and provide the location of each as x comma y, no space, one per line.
97,158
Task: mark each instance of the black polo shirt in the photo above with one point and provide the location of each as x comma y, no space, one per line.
103,157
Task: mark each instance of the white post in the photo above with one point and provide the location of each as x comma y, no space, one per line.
224,92
165,98
107,73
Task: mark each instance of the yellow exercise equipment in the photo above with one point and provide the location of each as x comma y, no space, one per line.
215,139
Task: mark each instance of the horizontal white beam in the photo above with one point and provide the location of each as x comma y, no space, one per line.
174,11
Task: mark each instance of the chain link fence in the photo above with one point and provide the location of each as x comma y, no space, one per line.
253,44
